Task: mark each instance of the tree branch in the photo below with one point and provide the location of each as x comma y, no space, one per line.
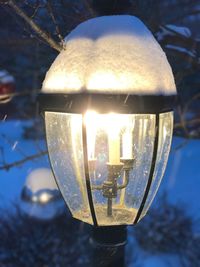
22,161
46,37
51,14
188,122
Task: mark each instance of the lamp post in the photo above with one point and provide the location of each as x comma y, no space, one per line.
107,101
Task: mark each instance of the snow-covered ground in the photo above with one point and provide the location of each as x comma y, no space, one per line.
182,176
13,148
181,180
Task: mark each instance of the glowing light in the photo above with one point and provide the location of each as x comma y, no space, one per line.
100,79
127,139
60,80
127,148
165,132
113,128
115,80
44,198
112,124
90,119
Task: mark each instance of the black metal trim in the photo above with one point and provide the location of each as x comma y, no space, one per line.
153,162
108,236
104,103
87,176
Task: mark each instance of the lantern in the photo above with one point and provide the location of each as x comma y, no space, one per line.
107,102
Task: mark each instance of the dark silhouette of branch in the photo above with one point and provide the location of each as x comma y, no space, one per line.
46,37
8,166
90,8
51,14
187,122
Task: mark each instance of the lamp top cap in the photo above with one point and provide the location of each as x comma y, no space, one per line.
111,55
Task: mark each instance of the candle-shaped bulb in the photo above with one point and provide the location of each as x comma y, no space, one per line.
113,139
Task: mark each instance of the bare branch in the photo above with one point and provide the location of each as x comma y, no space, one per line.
89,8
51,14
46,37
188,122
8,166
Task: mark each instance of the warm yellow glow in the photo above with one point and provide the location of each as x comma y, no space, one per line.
127,139
114,80
100,79
59,81
91,121
113,129
112,124
44,198
127,147
164,132
76,129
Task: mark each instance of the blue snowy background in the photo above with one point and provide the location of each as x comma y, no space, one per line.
181,181
175,24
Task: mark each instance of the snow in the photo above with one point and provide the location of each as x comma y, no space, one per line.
43,212
41,178
111,54
138,257
182,176
5,77
181,50
35,174
173,30
162,261
13,148
181,30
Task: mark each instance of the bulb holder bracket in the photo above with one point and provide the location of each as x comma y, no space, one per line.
110,186
128,163
109,189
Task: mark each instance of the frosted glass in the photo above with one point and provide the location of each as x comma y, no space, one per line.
164,144
64,140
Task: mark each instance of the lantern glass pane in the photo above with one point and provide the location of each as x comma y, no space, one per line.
164,144
120,149
64,141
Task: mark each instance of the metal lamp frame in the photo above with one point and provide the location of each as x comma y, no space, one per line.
104,103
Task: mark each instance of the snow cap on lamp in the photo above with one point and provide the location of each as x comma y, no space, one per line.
111,55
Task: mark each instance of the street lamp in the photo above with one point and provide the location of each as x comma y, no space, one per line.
107,101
